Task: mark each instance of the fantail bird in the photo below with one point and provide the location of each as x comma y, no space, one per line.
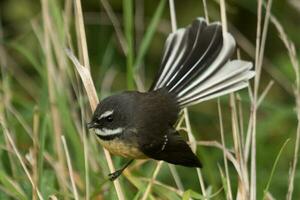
195,67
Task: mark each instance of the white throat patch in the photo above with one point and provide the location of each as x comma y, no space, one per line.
108,132
106,114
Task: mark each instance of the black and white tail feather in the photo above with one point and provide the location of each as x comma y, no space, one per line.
196,66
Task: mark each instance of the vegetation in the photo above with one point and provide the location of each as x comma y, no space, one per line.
248,141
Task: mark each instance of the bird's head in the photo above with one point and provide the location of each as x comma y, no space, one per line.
112,116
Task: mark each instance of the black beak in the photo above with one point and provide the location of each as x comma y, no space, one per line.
91,125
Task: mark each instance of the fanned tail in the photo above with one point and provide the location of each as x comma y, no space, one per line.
196,67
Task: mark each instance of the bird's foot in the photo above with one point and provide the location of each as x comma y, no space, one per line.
113,176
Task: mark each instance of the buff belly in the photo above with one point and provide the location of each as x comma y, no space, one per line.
120,148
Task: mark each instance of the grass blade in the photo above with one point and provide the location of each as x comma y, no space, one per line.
273,168
12,187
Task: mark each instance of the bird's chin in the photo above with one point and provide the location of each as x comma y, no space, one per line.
99,131
105,132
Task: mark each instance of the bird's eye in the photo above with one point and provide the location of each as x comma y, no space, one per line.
109,118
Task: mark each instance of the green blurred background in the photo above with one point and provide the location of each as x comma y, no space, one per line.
277,119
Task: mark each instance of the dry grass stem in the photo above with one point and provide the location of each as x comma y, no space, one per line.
223,16
173,15
265,92
173,170
295,64
243,186
82,36
290,47
11,142
253,109
155,182
274,71
108,80
20,119
241,122
263,43
205,10
67,18
228,154
116,24
260,47
36,122
5,95
75,193
56,121
176,177
148,189
87,81
229,195
194,148
93,100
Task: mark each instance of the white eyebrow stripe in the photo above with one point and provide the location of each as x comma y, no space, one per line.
106,114
108,132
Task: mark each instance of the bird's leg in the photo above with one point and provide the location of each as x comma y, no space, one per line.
113,176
